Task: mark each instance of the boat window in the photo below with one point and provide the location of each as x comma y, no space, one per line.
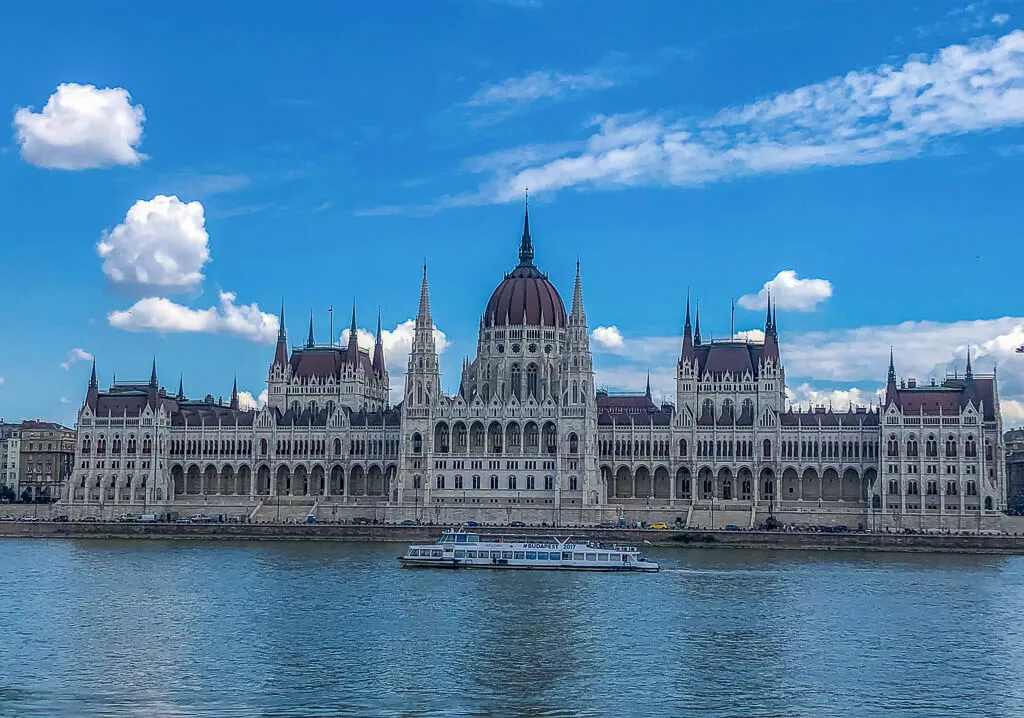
506,554
591,556
414,552
495,554
531,555
600,556
541,556
566,556
461,538
435,553
449,538
460,554
519,555
555,556
578,556
473,538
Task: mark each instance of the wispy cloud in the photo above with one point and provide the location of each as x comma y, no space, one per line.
880,114
973,17
538,85
74,356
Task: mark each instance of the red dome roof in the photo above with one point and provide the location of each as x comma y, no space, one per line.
525,297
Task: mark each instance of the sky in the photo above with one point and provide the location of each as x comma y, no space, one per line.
169,179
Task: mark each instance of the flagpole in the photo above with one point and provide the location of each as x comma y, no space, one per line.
732,319
330,311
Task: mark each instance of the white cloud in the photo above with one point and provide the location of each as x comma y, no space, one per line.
65,400
788,291
246,400
74,356
536,86
1000,18
2,380
868,116
157,314
397,345
750,335
607,337
81,127
162,243
839,399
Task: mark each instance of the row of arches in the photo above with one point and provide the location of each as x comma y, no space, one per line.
931,447
129,446
813,449
527,438
375,480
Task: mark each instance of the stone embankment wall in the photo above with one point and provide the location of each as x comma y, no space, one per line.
996,544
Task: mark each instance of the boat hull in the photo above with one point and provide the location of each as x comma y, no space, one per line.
408,562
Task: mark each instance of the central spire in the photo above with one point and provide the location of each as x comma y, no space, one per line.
526,245
310,341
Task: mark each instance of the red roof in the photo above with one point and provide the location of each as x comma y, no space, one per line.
525,297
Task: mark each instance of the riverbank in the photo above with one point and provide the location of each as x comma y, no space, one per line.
935,543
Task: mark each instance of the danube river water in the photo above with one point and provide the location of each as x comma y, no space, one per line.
151,628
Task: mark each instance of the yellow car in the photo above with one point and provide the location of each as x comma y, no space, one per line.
659,527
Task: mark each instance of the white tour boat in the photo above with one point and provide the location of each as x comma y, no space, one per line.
459,549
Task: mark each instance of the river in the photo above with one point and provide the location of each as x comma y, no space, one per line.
182,628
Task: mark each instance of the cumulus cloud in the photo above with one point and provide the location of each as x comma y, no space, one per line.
788,291
161,315
879,114
74,356
1000,18
162,243
81,127
607,337
808,396
750,335
247,401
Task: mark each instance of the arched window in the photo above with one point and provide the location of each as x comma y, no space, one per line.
766,449
931,446
971,447
573,483
263,447
950,446
517,381
893,446
575,393
682,447
337,447
988,450
417,444
574,444
708,407
531,381
912,446
728,411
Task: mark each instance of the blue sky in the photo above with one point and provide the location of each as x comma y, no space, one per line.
169,178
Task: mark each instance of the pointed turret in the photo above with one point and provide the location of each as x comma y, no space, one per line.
378,351
152,376
771,336
687,351
969,373
281,352
423,319
647,392
352,352
93,393
181,389
310,341
696,328
577,313
526,245
234,394
891,390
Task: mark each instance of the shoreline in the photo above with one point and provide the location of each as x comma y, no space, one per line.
385,533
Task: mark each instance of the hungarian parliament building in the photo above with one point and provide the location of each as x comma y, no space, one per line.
528,437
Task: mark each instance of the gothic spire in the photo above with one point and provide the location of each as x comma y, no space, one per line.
423,319
310,342
282,335
526,245
647,393
152,376
687,350
891,391
577,295
892,368
234,393
687,327
696,328
378,350
181,388
352,353
969,374
93,384
768,317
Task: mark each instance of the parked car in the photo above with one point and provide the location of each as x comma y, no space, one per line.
470,524
90,519
62,518
146,518
310,519
517,523
361,520
408,522
126,517
29,518
733,527
659,527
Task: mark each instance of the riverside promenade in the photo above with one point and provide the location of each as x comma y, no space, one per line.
791,540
